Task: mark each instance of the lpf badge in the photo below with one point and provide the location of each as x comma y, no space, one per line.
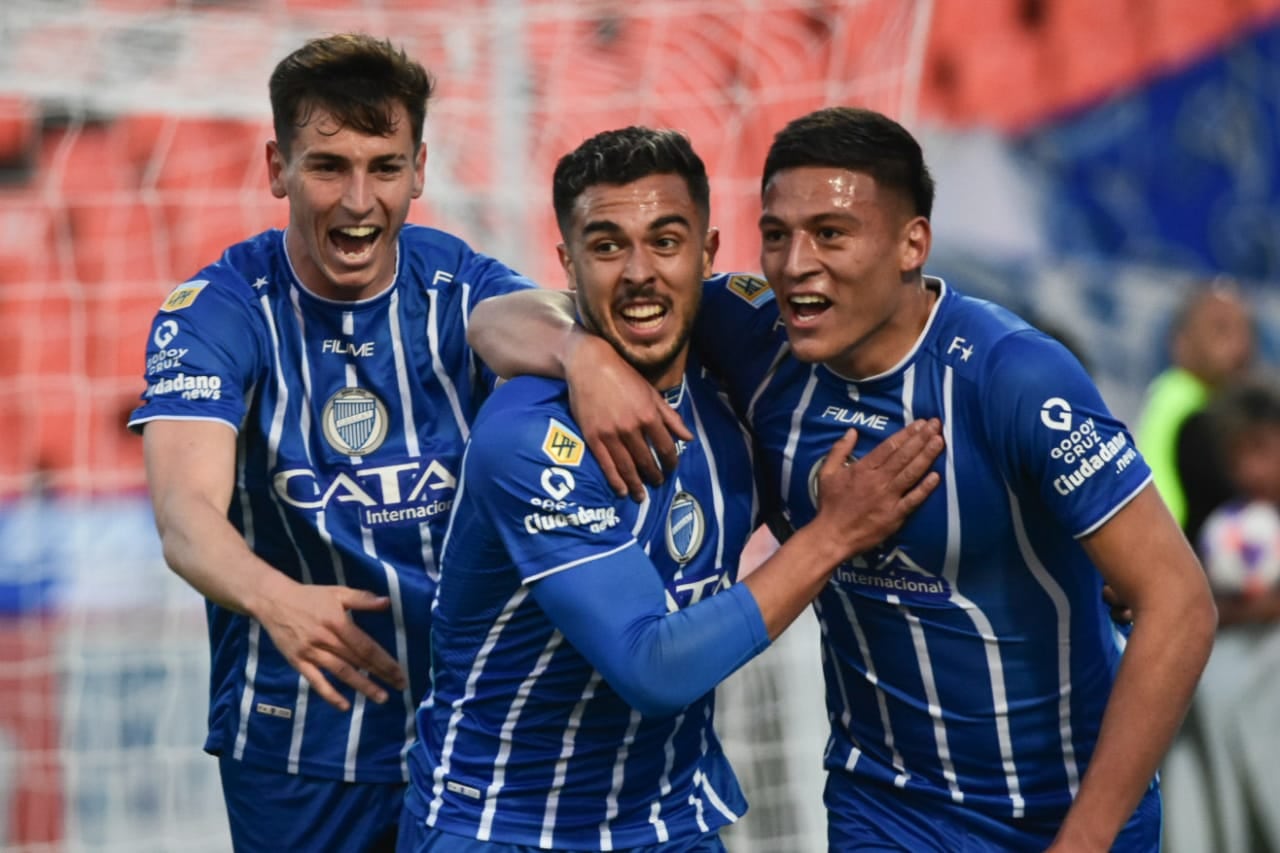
355,421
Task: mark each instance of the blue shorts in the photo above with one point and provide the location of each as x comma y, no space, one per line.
270,811
865,816
417,837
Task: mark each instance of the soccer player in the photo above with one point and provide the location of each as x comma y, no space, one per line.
578,635
308,398
978,693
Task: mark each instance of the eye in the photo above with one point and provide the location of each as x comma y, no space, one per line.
604,247
390,168
667,243
829,233
771,235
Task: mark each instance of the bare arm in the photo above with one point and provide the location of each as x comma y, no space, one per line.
190,473
859,504
1142,553
620,414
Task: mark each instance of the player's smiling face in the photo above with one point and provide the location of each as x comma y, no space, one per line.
843,256
349,194
636,255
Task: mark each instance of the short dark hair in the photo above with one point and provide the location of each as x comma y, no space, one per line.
355,77
859,140
1248,403
621,156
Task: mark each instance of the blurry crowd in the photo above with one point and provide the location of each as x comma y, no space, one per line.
1210,430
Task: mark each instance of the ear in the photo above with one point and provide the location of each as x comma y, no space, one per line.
420,169
276,163
709,249
566,261
917,239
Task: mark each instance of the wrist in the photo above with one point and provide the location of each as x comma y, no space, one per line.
826,542
268,587
584,348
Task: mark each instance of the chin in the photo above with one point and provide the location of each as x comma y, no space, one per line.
809,351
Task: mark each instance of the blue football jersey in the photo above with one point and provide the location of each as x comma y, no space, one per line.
969,656
522,740
351,419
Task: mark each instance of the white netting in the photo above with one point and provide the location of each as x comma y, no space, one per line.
131,153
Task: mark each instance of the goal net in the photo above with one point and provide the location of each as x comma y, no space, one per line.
132,152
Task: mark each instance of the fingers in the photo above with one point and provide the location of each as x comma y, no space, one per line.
315,632
675,424
359,648
839,455
321,686
370,656
604,453
344,672
644,462
905,445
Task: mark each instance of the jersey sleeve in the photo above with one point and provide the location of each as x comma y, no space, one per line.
613,611
529,471
738,332
558,521
203,350
489,277
1053,433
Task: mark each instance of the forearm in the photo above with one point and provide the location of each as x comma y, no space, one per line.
614,612
785,584
206,551
1158,674
529,332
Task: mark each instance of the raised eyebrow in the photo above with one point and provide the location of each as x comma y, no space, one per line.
600,226
668,220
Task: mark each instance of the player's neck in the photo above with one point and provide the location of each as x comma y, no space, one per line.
886,347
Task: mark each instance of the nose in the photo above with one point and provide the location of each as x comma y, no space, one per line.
357,198
800,258
638,268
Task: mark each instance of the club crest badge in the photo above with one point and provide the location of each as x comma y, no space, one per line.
686,527
354,421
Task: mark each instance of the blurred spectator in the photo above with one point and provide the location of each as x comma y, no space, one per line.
1212,341
1231,744
1240,539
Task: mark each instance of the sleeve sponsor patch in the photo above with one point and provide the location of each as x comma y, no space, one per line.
748,287
562,445
183,296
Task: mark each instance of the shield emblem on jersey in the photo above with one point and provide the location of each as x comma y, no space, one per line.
686,527
355,421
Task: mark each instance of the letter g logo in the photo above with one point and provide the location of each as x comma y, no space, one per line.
166,331
557,482
1056,414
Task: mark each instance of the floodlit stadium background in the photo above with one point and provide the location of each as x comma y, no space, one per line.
1094,158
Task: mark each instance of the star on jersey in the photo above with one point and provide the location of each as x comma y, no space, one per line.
260,282
958,343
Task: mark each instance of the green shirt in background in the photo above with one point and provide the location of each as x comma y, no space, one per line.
1172,397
